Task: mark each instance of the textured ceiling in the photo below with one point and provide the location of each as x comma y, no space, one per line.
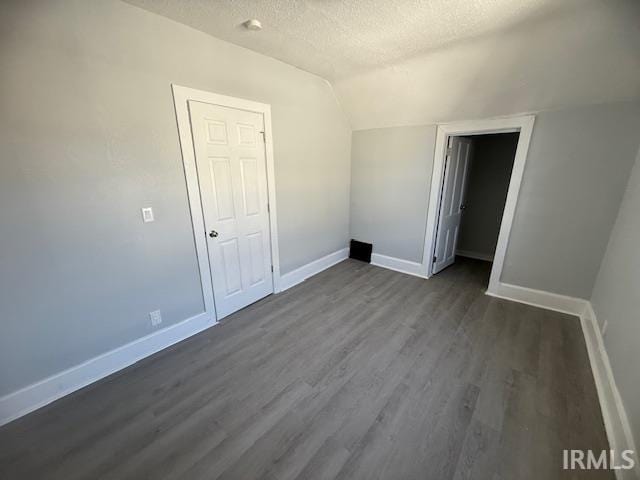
578,56
340,38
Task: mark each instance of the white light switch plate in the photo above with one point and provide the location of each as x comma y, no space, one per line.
147,214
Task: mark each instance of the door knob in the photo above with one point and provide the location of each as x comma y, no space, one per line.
213,234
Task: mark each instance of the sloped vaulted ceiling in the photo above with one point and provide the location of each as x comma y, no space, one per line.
400,62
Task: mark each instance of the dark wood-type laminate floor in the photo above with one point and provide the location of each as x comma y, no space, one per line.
358,373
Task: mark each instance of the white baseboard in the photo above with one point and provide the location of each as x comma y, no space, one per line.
487,257
613,411
299,275
539,298
614,414
397,264
39,394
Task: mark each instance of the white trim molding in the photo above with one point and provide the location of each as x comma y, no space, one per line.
299,275
398,264
538,298
39,394
181,97
487,257
614,414
43,392
522,124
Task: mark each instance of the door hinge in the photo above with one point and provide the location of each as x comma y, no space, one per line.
264,136
268,208
434,259
272,268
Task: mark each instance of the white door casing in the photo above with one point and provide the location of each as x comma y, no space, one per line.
456,171
519,123
232,175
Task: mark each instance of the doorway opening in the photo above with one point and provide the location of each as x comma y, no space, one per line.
474,191
453,164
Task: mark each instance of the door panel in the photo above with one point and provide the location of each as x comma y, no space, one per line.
250,188
217,132
220,172
231,266
232,174
246,135
256,247
451,203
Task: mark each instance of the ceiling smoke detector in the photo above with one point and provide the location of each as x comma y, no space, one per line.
253,24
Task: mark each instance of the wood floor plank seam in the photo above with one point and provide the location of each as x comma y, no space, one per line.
357,373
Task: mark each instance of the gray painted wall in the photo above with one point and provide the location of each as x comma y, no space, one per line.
578,164
88,136
615,299
586,52
391,173
487,187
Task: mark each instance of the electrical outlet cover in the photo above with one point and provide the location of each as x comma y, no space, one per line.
147,214
156,318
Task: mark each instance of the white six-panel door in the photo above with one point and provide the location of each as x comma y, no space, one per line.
230,158
451,203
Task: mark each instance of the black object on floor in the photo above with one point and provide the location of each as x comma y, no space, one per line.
360,251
